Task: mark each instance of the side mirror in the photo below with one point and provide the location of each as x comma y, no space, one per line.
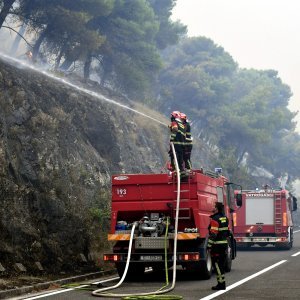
238,199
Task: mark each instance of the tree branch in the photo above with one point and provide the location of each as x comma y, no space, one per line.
10,28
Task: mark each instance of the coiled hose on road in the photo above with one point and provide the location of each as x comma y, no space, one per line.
156,294
156,297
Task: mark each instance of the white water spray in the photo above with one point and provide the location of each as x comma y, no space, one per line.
19,63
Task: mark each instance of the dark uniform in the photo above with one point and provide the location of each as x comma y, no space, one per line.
188,145
217,242
177,137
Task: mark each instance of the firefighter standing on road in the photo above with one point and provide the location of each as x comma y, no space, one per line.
217,243
188,144
177,137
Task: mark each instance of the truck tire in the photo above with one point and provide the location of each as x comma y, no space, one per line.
135,271
243,246
291,233
288,245
228,261
284,246
120,268
206,267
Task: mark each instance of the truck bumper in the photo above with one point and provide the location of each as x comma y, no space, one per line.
260,240
153,257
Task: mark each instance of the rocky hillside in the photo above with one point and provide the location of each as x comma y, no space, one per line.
59,147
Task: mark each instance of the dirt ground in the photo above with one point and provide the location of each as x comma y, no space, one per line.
13,282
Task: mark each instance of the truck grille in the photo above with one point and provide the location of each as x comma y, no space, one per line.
150,243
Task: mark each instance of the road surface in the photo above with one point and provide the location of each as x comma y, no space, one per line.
260,273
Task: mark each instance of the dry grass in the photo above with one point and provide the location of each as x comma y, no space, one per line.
44,120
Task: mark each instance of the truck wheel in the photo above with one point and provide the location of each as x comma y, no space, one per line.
135,271
283,246
206,267
243,246
120,268
289,244
228,261
291,236
160,268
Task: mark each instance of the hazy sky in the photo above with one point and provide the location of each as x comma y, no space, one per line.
259,34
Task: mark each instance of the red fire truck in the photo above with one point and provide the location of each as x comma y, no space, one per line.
150,202
264,218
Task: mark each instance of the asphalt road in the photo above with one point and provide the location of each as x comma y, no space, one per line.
262,273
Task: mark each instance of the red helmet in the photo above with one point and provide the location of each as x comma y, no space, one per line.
183,116
175,114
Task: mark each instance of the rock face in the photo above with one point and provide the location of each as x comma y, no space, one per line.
58,149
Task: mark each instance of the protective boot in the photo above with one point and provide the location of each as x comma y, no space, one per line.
219,286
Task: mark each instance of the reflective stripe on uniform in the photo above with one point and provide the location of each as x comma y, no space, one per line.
211,242
220,276
221,242
178,143
223,228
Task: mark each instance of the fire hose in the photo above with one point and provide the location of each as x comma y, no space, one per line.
158,293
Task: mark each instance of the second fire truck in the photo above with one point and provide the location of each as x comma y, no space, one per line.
264,218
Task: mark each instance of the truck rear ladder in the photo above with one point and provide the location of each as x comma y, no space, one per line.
278,213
